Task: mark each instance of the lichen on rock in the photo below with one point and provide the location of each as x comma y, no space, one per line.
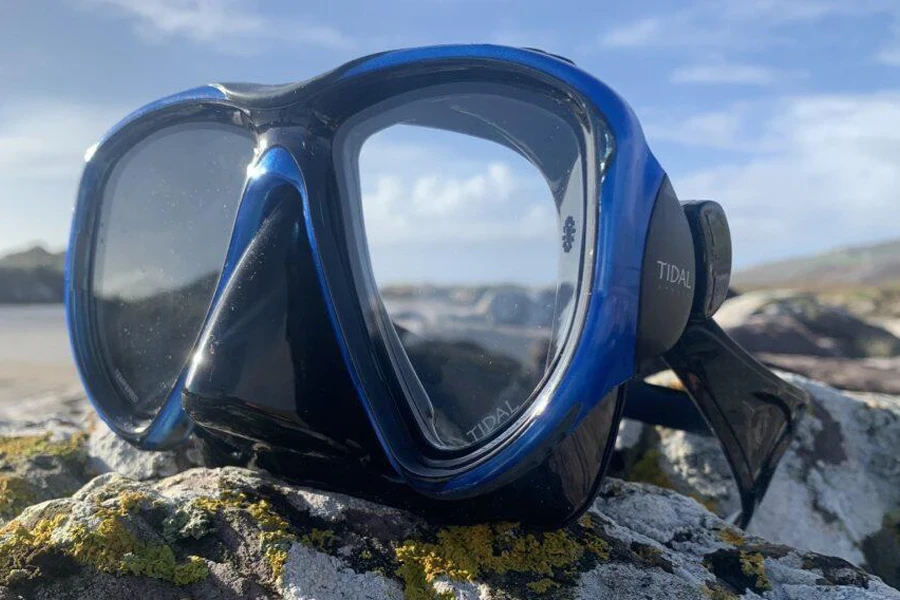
233,533
104,541
17,448
542,561
15,495
38,466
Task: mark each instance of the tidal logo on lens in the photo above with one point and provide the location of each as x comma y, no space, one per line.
672,273
490,421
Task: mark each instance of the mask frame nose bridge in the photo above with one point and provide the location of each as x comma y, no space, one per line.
274,168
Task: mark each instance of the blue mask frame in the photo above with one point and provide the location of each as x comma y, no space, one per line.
607,352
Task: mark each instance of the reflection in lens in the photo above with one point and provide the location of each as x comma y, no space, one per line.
166,217
465,200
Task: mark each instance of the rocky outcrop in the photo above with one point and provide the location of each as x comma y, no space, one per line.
869,374
236,533
795,323
836,491
223,533
798,333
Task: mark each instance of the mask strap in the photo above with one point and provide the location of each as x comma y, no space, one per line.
663,406
752,411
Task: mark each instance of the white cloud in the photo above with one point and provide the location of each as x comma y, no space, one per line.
226,24
748,24
725,73
889,56
47,139
731,128
830,177
493,203
643,32
42,145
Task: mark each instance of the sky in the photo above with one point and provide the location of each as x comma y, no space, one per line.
786,112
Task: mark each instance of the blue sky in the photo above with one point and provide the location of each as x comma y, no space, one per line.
787,112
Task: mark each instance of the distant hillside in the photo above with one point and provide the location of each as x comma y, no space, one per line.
871,266
34,258
32,276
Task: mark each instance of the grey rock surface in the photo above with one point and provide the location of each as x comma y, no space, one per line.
108,452
836,491
880,375
785,322
162,532
233,533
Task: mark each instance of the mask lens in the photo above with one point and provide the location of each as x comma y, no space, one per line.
472,206
167,212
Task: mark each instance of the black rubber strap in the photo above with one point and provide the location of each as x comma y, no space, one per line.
656,405
752,411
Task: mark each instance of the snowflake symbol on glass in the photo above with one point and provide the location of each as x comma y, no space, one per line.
568,237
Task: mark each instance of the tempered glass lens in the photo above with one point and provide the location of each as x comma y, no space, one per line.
166,217
473,211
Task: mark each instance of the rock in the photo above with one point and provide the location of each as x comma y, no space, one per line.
36,465
108,452
864,374
506,307
795,323
233,533
52,458
836,491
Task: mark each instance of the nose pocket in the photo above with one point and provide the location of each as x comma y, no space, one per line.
268,366
244,351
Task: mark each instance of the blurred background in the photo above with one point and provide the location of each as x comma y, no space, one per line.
788,113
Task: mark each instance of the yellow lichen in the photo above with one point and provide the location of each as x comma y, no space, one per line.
732,536
194,569
15,495
129,500
21,545
542,586
647,552
648,469
107,545
716,592
18,448
276,535
320,539
276,557
466,553
753,566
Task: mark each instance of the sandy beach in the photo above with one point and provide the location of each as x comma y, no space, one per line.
35,359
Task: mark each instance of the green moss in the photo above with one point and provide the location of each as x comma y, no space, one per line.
753,565
15,449
15,495
469,553
107,546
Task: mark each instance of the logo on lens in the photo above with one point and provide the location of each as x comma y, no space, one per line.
568,238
